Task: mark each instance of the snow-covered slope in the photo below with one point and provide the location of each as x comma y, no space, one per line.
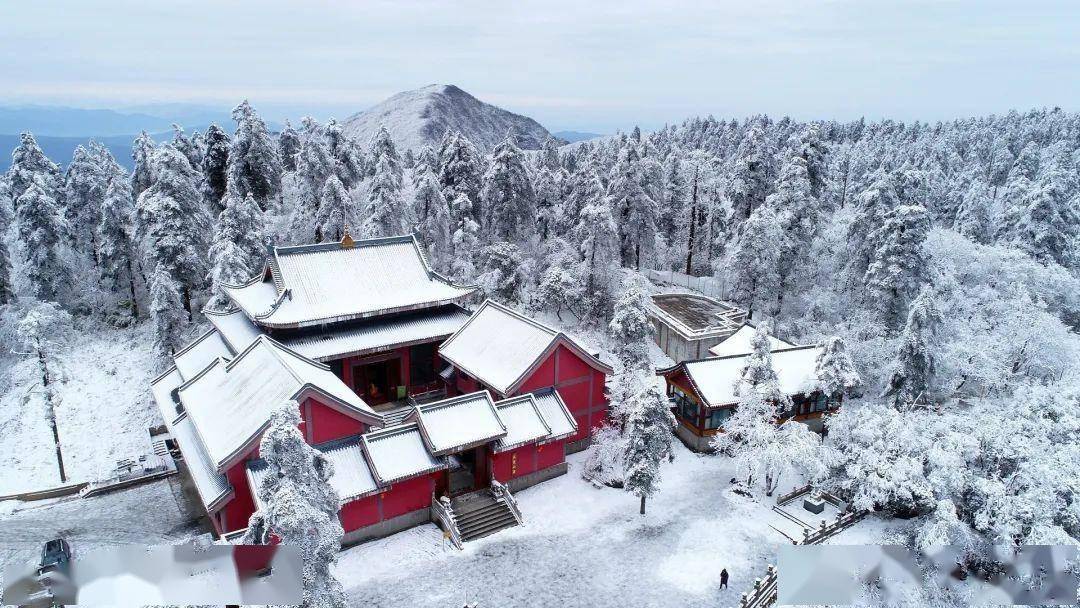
421,117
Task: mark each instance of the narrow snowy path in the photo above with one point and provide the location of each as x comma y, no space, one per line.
583,545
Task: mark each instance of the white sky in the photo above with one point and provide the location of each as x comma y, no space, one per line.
586,65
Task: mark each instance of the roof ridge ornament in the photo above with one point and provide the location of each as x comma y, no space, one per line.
347,241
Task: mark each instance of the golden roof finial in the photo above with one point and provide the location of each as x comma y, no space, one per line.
347,241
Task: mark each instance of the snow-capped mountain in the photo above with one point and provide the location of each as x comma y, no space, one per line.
421,117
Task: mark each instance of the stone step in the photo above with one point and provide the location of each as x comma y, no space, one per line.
479,522
487,528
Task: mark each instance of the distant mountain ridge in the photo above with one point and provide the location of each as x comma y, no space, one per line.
575,136
419,118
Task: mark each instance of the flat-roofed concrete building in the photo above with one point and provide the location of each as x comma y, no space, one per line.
688,325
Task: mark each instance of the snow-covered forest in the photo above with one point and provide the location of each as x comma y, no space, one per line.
945,257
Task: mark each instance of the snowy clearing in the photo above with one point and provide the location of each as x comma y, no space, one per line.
672,556
103,413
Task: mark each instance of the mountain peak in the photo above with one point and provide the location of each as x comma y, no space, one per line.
422,116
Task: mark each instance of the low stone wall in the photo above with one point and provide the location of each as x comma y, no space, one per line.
525,481
692,440
387,527
578,446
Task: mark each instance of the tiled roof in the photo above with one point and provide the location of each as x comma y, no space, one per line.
398,452
211,485
380,334
714,378
352,477
739,343
523,421
452,424
235,328
194,357
556,415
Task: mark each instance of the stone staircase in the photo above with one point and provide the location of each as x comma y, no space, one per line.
479,514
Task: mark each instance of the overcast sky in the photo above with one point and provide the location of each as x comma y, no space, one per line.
586,65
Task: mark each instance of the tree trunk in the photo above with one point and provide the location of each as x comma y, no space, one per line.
131,288
693,224
770,485
642,504
187,302
44,364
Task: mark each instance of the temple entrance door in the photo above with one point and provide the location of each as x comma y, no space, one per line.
472,474
377,382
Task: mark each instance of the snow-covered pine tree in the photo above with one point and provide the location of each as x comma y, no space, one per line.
599,254
503,275
30,166
672,223
465,239
630,328
187,146
215,168
178,226
116,240
166,313
84,190
313,166
834,371
42,230
254,164
560,287
912,379
871,206
383,215
383,148
237,252
636,210
1045,222
800,216
142,175
40,332
814,151
301,507
432,214
7,288
507,196
549,155
426,160
973,216
755,276
460,170
649,434
337,210
348,158
898,265
288,147
548,191
749,184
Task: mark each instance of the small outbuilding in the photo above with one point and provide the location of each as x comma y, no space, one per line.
687,325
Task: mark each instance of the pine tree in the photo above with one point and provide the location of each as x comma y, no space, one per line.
432,214
41,229
507,196
348,158
750,181
913,371
84,190
178,226
548,201
337,211
142,152
384,150
1045,220
636,210
871,206
630,328
116,238
599,247
288,147
301,507
460,170
7,288
672,223
649,442
314,166
166,313
385,208
215,168
254,164
30,166
756,263
187,146
41,331
973,216
504,274
237,252
814,151
465,240
800,216
898,266
834,372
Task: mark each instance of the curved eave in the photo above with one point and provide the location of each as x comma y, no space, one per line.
266,319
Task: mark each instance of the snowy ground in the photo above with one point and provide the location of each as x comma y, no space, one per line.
103,413
582,544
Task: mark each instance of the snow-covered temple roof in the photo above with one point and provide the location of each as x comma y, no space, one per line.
230,403
523,421
213,487
380,334
310,285
739,343
235,328
398,452
352,477
194,357
459,422
499,347
555,413
714,378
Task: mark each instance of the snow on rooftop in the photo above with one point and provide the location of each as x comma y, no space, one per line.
715,378
523,422
555,413
211,485
194,357
231,403
379,334
352,477
497,345
458,422
161,388
739,343
328,282
398,452
235,328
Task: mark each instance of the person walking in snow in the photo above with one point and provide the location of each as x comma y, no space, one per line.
723,578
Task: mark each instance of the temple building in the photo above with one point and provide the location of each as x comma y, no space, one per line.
428,412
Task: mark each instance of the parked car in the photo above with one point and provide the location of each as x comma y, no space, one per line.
55,555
